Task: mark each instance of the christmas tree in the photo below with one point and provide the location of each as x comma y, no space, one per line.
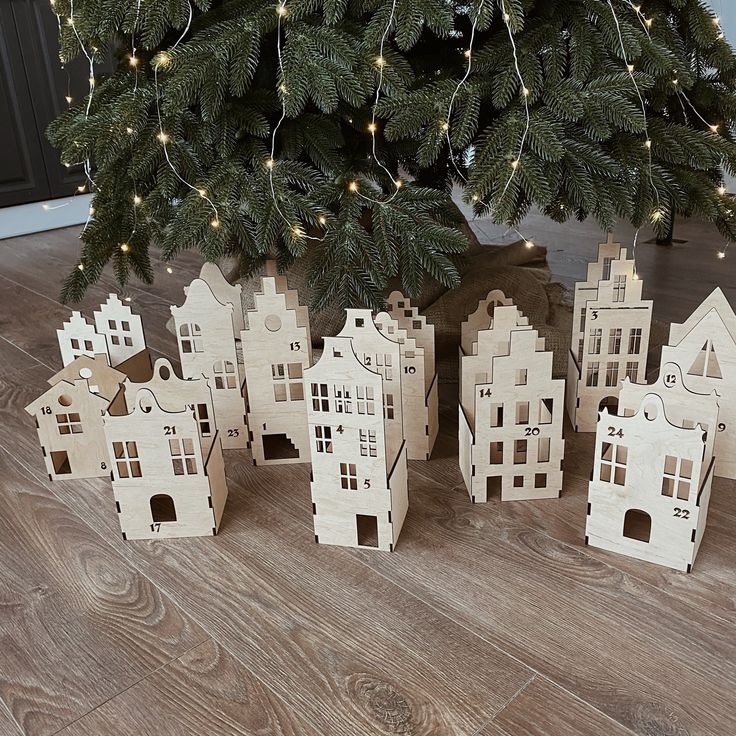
336,129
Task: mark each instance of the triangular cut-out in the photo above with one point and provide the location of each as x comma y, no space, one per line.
698,366
714,369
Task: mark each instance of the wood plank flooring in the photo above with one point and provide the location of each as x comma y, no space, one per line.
488,620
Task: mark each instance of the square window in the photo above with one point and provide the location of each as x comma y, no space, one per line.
521,377
295,370
540,480
518,481
279,392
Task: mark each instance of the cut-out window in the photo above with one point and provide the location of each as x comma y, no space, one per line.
389,406
614,341
496,415
591,378
612,374
677,477
183,458
613,463
162,508
518,481
546,407
225,375
203,418
368,446
190,338
69,423
320,402
323,436
287,381
632,371
619,288
522,412
607,260
127,462
60,462
343,399
365,400
348,477
367,529
543,444
520,451
540,480
582,320
637,525
520,378
706,364
594,342
496,453
635,341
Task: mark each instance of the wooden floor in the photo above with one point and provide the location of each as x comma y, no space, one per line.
488,620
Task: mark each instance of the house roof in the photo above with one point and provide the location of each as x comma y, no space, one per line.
64,387
715,302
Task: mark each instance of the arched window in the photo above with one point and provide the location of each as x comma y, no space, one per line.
162,508
190,338
637,525
225,376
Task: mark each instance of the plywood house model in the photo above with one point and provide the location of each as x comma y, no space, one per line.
122,329
226,293
164,484
359,475
511,409
204,330
610,335
79,337
173,394
652,474
704,347
277,348
69,418
418,377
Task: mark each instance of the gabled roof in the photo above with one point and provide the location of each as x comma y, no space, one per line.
715,302
96,371
64,387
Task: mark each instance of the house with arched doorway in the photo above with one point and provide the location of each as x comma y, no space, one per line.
165,484
650,488
704,346
610,335
205,334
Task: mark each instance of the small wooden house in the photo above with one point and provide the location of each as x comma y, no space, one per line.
122,329
359,476
277,348
382,355
204,330
610,335
102,379
165,484
704,347
419,377
79,337
226,293
650,488
511,410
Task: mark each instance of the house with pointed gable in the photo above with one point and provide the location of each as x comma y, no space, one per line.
359,474
226,293
205,335
511,410
652,474
610,335
419,377
122,329
277,349
69,416
79,337
165,484
704,346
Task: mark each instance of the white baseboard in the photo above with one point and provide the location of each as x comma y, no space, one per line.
37,217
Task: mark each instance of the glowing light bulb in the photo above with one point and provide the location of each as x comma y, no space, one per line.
515,164
137,199
322,220
637,8
475,198
163,137
399,183
713,128
127,299
648,22
657,215
91,211
162,58
202,193
372,128
281,10
647,143
721,190
169,269
81,188
282,88
467,53
525,91
80,267
674,81
630,68
529,243
721,253
215,223
506,17
297,231
445,126
125,247
68,100
129,130
134,60
353,186
380,61
269,163
70,22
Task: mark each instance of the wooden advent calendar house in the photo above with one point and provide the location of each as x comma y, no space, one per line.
226,293
205,333
652,474
79,337
165,484
122,329
69,418
359,474
277,348
610,335
173,394
418,376
704,346
511,409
